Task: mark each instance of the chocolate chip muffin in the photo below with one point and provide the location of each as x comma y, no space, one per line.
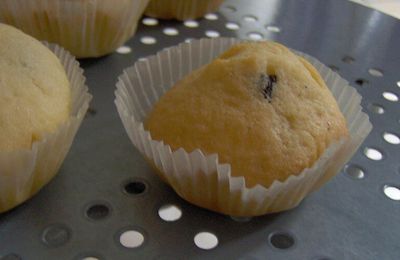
263,109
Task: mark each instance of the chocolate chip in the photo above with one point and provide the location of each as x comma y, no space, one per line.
267,84
361,82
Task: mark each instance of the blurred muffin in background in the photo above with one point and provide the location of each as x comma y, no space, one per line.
181,9
86,28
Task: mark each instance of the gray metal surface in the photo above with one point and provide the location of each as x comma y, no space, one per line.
349,218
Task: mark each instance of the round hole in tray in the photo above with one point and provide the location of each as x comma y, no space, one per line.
281,240
348,59
170,213
255,36
334,68
390,96
148,40
150,21
398,84
373,154
273,28
321,258
164,256
131,239
211,16
375,72
191,23
124,50
392,192
135,187
250,18
230,8
90,112
97,211
241,219
354,171
10,257
206,240
170,31
212,34
391,138
361,82
56,235
88,256
376,108
232,26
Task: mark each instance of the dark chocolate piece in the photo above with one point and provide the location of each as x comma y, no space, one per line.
267,84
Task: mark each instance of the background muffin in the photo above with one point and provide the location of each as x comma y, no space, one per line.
41,108
181,9
85,28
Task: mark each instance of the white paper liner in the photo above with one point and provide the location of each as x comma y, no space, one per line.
85,28
181,9
200,178
24,172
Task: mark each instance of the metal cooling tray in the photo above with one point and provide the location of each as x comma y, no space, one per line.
107,203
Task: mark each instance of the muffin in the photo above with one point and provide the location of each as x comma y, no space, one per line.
261,108
87,28
34,91
39,114
246,133
181,9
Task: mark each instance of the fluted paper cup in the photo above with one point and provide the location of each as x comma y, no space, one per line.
24,172
181,9
200,178
85,28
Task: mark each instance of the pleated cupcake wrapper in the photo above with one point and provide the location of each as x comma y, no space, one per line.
200,178
181,9
85,28
24,172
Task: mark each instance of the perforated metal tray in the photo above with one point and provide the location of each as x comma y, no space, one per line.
105,188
